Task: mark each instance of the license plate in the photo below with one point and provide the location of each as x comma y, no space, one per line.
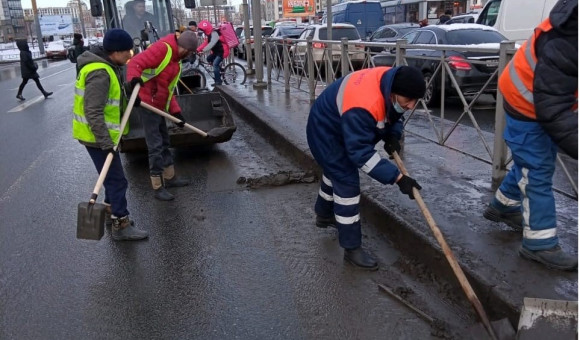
492,63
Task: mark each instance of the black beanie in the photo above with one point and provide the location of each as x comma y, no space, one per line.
116,40
192,23
409,83
78,36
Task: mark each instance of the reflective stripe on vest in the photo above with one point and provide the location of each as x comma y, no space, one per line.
516,82
151,73
112,111
362,89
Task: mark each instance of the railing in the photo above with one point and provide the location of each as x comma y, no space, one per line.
302,65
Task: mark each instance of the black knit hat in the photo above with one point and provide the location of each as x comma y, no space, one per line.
409,82
192,23
77,36
116,40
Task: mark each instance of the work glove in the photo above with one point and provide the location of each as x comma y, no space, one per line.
180,117
406,185
392,144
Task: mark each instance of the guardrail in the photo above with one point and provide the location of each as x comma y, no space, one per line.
16,57
310,66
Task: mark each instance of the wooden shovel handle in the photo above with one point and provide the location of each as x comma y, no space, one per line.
110,156
172,118
183,83
448,253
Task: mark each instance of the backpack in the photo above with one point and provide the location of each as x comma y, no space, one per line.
228,33
70,55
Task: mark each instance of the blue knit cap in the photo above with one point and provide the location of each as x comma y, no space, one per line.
116,40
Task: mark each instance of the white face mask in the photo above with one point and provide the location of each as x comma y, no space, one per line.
397,106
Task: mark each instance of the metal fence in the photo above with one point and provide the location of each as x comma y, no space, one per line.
311,65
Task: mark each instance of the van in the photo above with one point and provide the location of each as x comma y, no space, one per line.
366,16
515,19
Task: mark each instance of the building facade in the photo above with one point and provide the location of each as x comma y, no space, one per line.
72,9
11,21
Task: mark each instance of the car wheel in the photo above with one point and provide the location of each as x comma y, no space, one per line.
431,96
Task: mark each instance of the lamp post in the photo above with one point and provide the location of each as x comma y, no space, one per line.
81,18
37,24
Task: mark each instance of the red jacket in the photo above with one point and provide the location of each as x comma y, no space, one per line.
156,91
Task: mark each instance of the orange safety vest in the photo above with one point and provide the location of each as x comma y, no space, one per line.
362,89
516,82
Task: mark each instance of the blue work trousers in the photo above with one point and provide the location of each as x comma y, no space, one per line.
157,139
216,60
115,182
530,181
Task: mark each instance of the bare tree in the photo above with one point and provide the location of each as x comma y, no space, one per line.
178,10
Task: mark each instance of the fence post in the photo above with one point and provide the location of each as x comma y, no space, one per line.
286,61
400,52
310,62
499,147
269,44
344,69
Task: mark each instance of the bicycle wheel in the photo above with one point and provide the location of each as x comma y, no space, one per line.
234,73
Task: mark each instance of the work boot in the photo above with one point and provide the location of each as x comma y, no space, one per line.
160,192
360,258
124,230
46,94
19,96
108,216
172,181
323,222
554,258
498,212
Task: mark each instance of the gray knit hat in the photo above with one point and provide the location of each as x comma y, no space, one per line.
188,40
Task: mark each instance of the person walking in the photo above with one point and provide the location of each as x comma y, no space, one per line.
540,89
28,70
97,120
345,122
158,69
445,17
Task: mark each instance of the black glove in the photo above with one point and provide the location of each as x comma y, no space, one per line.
181,118
131,85
406,185
137,102
392,144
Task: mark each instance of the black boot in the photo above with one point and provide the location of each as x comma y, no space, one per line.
46,94
554,258
160,192
170,180
124,230
323,222
360,258
19,96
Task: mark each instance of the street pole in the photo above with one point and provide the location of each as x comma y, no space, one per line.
259,65
246,12
82,19
329,37
215,13
37,24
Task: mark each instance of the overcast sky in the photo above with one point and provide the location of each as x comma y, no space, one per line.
62,3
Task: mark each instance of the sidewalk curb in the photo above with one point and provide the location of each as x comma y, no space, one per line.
426,249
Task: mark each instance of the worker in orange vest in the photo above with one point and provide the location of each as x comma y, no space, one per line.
344,125
540,89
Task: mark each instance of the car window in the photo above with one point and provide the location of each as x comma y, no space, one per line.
308,33
410,36
472,37
338,33
239,31
292,32
489,15
377,34
275,33
267,30
405,30
425,37
389,33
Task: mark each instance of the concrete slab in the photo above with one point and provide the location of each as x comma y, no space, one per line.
456,188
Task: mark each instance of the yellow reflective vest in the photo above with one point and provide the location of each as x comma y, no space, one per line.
112,112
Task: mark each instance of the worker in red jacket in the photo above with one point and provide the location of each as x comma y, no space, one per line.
158,69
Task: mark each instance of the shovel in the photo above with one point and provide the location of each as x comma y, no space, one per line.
501,329
213,133
91,215
542,316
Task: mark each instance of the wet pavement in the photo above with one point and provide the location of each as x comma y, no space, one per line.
456,188
236,255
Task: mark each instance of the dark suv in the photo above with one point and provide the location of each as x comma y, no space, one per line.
470,77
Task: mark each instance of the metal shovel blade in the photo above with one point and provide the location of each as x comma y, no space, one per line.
90,221
220,132
548,319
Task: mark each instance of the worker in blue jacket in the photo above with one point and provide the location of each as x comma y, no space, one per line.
344,125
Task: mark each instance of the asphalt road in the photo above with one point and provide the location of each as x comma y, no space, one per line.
224,260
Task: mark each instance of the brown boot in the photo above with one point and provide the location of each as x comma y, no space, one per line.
160,192
124,230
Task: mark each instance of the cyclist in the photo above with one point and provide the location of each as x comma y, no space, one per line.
214,43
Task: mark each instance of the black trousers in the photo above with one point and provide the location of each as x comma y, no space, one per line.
25,81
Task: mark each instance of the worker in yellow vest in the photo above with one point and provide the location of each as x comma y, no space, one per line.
97,119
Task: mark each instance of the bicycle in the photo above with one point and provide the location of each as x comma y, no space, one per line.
232,73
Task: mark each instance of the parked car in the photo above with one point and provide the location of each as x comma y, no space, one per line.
366,16
241,49
57,49
281,31
470,77
469,18
319,32
389,34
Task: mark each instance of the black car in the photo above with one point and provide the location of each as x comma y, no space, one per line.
470,77
283,31
389,33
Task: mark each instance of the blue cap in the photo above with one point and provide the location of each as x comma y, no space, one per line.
116,40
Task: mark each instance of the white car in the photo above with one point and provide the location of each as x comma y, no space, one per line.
241,49
318,33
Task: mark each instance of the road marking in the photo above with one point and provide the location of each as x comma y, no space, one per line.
67,84
27,104
54,74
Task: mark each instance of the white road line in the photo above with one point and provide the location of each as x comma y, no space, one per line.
54,74
26,104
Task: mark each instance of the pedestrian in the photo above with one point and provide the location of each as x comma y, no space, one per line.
213,43
345,123
136,17
540,90
445,17
28,70
79,45
158,68
97,119
424,22
193,26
